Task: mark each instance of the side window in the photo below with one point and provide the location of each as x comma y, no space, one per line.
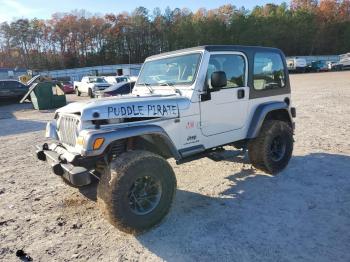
268,71
233,65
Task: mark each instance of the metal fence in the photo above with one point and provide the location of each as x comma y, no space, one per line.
309,59
76,74
11,73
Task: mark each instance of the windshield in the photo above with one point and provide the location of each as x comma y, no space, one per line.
179,70
97,80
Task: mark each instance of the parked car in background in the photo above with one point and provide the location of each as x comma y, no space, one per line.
12,89
90,84
335,66
296,65
122,88
344,62
117,79
68,87
318,66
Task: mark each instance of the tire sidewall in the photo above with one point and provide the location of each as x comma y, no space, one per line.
123,186
278,129
121,179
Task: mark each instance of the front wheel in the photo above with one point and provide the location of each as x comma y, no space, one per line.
91,93
272,149
136,192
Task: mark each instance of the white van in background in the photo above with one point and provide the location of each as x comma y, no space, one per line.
296,64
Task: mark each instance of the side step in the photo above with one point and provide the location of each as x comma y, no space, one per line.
217,154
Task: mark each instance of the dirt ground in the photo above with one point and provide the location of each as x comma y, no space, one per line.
223,211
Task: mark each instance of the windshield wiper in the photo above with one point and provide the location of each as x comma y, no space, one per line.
151,90
176,90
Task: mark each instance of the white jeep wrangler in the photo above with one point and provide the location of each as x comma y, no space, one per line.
185,105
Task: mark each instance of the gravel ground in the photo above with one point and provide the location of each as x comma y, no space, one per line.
223,211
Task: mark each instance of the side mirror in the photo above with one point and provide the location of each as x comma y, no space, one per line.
218,80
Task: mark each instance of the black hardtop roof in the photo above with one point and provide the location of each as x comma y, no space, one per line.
218,48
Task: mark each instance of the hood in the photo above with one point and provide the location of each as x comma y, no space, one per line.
129,106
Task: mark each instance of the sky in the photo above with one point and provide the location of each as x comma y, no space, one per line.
11,9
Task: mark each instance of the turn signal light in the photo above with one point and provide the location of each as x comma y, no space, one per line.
98,143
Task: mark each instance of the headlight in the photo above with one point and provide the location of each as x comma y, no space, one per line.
80,141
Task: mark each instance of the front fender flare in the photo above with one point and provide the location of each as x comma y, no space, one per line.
123,133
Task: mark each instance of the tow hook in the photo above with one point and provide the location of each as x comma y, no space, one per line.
40,152
41,155
57,169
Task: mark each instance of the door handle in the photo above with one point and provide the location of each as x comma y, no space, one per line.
240,93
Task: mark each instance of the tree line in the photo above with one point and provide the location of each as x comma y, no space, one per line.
79,39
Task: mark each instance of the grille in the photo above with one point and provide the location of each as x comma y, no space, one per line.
68,129
117,148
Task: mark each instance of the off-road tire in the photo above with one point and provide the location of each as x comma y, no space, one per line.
90,93
77,92
113,191
259,149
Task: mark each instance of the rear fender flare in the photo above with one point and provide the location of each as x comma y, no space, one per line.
260,115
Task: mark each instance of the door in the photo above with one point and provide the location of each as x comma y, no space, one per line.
19,89
3,93
83,85
226,110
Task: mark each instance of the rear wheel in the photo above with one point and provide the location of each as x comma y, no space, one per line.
77,91
272,149
137,191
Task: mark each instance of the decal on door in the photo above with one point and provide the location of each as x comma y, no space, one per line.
192,139
190,125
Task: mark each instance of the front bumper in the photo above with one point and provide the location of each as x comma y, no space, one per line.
65,164
98,94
